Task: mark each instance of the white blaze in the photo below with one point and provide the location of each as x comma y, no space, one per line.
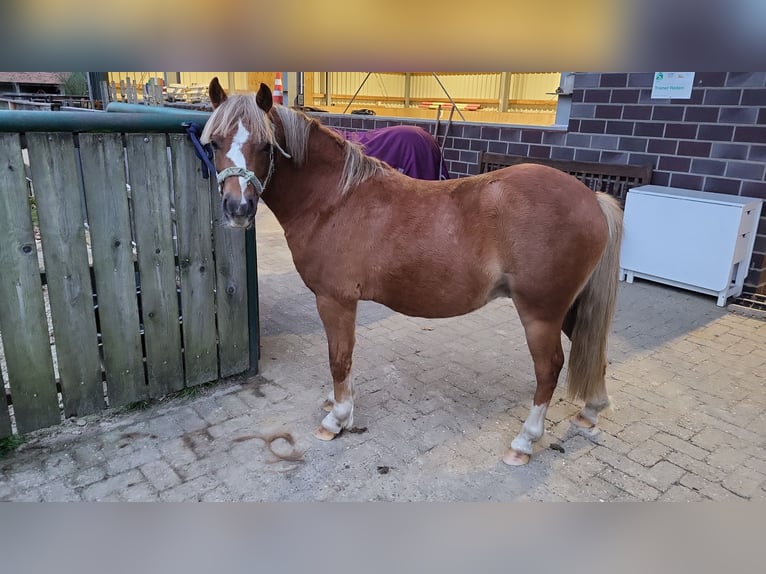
237,157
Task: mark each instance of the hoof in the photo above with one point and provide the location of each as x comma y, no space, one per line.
514,458
582,422
323,434
327,405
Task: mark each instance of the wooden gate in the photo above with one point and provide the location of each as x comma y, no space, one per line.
117,281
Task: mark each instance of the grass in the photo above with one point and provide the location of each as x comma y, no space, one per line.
10,444
193,392
138,405
185,393
33,207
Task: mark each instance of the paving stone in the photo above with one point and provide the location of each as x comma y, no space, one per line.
233,405
191,491
438,402
618,461
164,427
727,458
681,445
88,455
132,460
86,476
638,489
177,451
663,475
196,467
611,442
160,475
58,491
711,438
756,464
232,427
113,485
28,475
188,419
696,467
584,468
59,464
678,493
141,492
744,482
211,412
28,496
710,490
649,452
636,433
218,494
6,490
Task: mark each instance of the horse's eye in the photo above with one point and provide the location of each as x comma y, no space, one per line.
266,147
214,144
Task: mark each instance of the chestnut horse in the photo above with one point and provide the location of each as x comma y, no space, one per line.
359,229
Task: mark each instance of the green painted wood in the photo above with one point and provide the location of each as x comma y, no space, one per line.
253,311
231,295
201,117
109,220
5,419
53,163
150,191
195,262
22,309
26,121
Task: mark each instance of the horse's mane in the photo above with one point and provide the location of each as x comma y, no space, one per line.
357,167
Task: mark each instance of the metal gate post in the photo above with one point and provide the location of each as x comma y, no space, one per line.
253,318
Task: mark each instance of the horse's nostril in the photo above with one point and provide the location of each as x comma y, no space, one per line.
226,204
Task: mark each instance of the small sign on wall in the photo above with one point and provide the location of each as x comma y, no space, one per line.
672,85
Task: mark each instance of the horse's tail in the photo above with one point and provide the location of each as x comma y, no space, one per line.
593,311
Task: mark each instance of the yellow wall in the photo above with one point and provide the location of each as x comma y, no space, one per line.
203,79
529,94
135,77
483,88
242,80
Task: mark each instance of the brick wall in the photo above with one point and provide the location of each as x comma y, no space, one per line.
714,141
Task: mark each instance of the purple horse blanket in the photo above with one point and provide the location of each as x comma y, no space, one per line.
409,149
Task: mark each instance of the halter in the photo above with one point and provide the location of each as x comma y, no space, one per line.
250,176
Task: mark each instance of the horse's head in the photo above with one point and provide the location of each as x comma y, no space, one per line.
242,138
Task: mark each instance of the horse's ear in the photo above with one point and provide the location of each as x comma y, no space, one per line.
263,98
216,92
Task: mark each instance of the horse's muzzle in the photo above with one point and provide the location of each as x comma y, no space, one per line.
238,222
239,213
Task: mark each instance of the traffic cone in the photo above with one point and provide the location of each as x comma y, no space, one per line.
277,93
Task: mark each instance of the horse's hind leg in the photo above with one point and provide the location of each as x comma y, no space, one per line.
544,341
587,418
339,319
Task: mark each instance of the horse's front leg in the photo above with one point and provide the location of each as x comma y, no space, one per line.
544,343
339,319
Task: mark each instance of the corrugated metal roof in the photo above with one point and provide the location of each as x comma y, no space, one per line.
33,77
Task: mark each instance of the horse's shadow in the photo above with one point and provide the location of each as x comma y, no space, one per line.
649,316
286,306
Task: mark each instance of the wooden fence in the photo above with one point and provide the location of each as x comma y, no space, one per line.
117,281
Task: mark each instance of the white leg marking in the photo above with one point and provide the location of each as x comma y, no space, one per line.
591,409
236,155
342,414
532,429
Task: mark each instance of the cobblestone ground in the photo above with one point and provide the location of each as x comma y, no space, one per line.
440,401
